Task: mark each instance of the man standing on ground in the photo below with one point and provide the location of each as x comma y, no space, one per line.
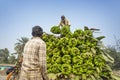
34,57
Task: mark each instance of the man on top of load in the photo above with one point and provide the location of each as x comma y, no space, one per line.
64,21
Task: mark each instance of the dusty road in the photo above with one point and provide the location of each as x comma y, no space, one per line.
2,77
2,74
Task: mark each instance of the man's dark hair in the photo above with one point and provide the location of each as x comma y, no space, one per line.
37,31
62,17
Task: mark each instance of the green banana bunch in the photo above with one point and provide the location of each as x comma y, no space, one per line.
75,51
69,35
65,30
49,69
66,59
82,48
87,55
72,42
49,59
88,33
66,50
80,40
63,42
55,30
99,61
55,68
77,69
66,69
78,33
45,37
77,60
56,52
56,59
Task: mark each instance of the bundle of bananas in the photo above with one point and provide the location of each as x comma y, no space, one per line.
77,54
55,30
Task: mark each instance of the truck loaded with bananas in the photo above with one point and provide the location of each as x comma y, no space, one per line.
76,56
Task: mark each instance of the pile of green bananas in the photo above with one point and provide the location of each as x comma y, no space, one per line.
76,55
55,30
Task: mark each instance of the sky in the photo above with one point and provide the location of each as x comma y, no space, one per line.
17,17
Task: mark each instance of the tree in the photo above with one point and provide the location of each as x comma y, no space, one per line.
116,55
12,59
19,46
4,54
117,45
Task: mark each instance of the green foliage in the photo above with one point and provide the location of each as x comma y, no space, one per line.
5,57
12,59
19,46
4,54
116,55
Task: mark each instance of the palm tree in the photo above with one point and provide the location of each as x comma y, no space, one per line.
4,54
19,46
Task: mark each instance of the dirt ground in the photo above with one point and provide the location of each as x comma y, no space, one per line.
3,74
116,72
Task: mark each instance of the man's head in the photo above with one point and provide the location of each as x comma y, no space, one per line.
37,31
62,17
